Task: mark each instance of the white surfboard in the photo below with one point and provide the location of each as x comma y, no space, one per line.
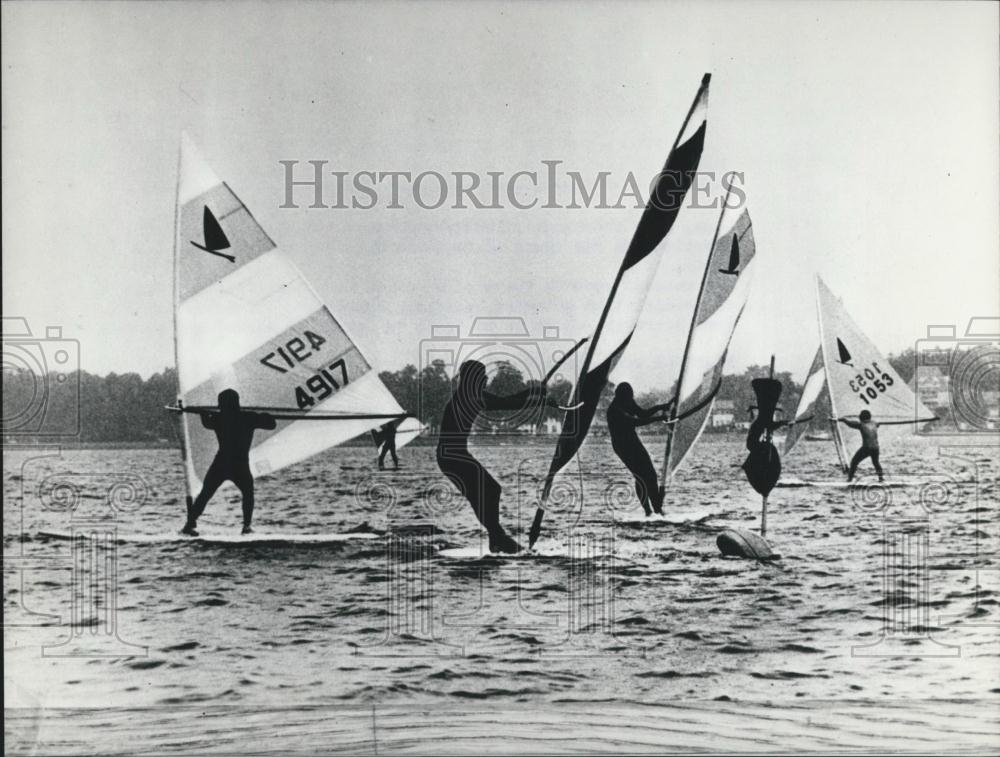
481,552
889,483
233,537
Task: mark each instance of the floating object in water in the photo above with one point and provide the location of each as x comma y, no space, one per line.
736,542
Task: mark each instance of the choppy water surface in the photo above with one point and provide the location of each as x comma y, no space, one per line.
637,613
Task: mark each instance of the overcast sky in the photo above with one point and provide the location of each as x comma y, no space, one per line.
867,134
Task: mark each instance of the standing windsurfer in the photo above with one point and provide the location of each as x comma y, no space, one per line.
386,438
624,416
234,428
469,399
869,442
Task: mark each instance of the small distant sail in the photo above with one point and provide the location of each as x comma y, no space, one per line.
258,327
845,355
865,380
812,392
734,258
628,293
215,237
720,304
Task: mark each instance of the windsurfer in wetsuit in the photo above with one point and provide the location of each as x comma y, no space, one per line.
234,428
869,443
624,417
457,463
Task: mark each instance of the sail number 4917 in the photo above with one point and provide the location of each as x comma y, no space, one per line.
870,383
320,385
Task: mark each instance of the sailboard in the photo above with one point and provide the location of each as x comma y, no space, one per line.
624,304
717,312
249,320
231,537
851,372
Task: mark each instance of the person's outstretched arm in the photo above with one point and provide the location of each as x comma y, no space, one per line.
264,421
847,422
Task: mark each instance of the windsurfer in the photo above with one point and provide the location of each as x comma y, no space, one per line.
624,416
457,463
386,437
234,428
869,442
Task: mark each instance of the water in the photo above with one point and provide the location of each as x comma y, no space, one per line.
637,613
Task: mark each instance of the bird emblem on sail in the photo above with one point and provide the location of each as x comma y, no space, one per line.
844,354
733,269
215,238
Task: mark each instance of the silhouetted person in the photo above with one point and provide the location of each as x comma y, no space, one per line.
869,443
234,428
387,439
763,465
624,417
469,399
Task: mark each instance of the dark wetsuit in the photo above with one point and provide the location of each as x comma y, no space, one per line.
869,446
457,463
624,417
388,437
232,461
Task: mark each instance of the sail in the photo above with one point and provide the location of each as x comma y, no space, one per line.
248,320
857,375
812,393
628,293
723,295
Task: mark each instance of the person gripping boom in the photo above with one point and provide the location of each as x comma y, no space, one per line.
234,428
475,483
869,443
624,416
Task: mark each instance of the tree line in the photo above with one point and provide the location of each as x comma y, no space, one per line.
121,408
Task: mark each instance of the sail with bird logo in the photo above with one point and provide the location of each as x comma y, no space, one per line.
247,319
628,293
721,299
860,378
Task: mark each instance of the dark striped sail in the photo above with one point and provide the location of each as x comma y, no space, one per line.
628,293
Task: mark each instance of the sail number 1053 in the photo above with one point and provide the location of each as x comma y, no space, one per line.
320,385
870,383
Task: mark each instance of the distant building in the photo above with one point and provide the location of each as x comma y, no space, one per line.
723,414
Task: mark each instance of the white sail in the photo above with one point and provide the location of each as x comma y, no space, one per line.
812,392
247,319
723,295
857,375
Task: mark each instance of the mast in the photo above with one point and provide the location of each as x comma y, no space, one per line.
181,422
622,268
687,345
838,440
767,436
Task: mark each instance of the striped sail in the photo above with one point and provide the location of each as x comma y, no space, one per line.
857,375
723,295
247,319
812,393
628,293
